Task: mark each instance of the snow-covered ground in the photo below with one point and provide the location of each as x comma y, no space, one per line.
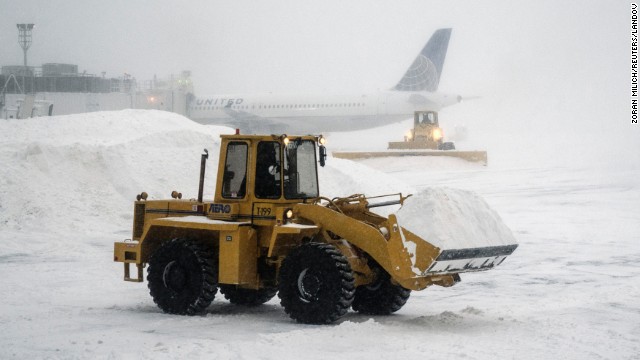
67,184
66,188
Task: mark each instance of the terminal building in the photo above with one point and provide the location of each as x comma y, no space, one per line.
60,89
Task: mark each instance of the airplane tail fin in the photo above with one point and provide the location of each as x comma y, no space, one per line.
424,73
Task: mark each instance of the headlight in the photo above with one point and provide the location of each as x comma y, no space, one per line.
288,215
285,139
437,134
322,140
409,136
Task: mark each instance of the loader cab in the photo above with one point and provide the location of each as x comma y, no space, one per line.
426,129
425,118
265,171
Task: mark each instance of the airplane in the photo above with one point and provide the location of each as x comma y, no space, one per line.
299,113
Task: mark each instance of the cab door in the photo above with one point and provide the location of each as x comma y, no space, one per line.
267,184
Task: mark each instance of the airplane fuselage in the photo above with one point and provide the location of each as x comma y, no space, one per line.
298,113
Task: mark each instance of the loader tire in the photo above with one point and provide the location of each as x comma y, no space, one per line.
247,297
316,284
447,146
380,298
182,277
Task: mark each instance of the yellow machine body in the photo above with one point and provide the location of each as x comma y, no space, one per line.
251,231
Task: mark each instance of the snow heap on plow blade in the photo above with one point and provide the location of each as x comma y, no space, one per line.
468,234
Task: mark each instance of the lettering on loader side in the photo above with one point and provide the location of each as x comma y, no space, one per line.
220,208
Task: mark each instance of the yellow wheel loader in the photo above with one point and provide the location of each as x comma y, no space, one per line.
426,138
425,134
268,230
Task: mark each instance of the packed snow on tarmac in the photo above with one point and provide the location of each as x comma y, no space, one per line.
67,184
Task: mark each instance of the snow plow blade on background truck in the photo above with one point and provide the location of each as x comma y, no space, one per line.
268,231
426,138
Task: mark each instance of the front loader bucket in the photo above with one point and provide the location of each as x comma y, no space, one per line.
468,235
472,156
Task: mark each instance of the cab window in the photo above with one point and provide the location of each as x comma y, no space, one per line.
234,181
300,175
267,184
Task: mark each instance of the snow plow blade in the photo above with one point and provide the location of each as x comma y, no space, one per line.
471,156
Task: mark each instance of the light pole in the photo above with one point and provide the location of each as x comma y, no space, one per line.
24,39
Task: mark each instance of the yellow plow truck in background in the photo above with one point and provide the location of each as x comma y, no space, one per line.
269,231
425,138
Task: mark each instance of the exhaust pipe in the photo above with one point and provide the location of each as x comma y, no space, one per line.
203,163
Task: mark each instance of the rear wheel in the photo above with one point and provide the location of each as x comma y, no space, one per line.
316,284
247,297
182,277
380,298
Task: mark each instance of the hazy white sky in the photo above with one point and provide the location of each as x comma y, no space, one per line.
555,62
244,46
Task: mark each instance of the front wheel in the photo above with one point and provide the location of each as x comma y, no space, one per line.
382,297
182,277
316,284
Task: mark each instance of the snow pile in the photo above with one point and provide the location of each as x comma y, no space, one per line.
81,173
66,190
454,219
